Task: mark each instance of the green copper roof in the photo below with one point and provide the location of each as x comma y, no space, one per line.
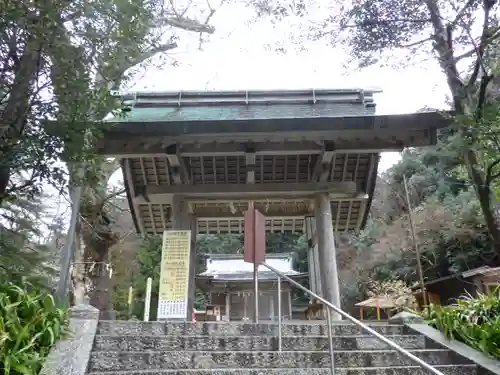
244,105
239,112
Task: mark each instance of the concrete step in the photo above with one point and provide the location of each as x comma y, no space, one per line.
123,328
150,360
407,370
248,343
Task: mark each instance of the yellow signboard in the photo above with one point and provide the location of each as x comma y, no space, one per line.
174,275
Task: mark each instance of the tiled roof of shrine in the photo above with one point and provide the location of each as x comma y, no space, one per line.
231,267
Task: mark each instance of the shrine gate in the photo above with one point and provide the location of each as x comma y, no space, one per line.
306,159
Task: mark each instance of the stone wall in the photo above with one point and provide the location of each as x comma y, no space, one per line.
71,355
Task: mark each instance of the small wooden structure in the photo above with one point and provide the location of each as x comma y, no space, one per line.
486,279
228,281
378,303
446,290
433,298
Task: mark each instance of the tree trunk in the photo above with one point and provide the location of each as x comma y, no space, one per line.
101,295
79,267
99,285
17,108
484,196
4,179
463,103
98,237
97,234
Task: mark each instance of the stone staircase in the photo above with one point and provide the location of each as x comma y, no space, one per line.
133,348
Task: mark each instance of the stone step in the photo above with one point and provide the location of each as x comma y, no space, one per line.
407,370
123,328
150,360
248,343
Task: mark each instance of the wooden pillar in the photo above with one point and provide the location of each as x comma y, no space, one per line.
327,252
310,255
289,304
181,220
313,259
272,316
245,300
192,265
310,262
228,304
317,270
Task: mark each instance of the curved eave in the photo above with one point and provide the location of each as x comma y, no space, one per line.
299,275
240,256
207,282
372,183
174,126
130,199
417,129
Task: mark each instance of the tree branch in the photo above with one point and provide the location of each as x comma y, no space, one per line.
444,49
481,98
414,44
385,22
209,17
490,176
461,13
150,53
472,51
116,193
479,64
188,24
73,16
114,80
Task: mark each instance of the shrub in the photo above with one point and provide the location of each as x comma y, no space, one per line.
474,321
395,291
30,323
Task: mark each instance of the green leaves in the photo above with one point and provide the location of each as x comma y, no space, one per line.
450,229
149,259
376,26
474,321
30,324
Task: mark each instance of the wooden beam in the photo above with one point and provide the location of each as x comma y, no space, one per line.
259,148
349,188
127,175
322,168
374,158
336,190
272,216
147,147
250,159
175,164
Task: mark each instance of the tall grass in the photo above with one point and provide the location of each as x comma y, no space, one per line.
474,321
30,324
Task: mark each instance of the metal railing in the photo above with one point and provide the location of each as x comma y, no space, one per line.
329,306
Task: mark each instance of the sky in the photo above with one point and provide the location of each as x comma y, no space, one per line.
242,55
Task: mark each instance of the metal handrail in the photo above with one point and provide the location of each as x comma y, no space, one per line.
398,348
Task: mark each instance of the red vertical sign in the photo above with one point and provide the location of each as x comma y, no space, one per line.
254,236
249,235
260,238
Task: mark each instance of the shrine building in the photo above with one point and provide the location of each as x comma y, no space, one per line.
228,282
306,159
